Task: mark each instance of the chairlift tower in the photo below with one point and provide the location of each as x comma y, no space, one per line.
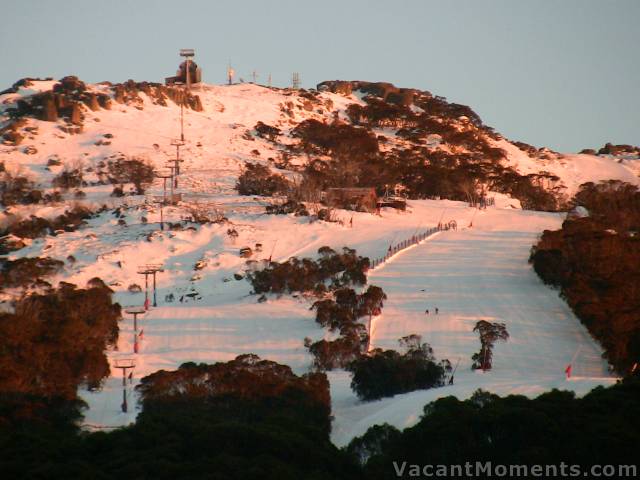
135,311
174,180
178,143
146,270
164,176
175,167
162,202
125,364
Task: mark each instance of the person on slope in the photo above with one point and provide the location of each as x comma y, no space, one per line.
426,312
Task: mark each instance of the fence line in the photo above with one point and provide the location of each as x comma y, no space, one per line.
413,240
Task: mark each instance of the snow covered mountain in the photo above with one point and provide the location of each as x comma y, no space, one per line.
480,271
92,123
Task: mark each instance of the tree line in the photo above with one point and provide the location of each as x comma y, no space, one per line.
595,262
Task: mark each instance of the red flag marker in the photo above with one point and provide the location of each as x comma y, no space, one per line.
568,371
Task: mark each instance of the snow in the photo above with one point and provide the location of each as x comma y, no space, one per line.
572,169
472,274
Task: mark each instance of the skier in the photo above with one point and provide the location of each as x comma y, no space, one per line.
426,312
351,223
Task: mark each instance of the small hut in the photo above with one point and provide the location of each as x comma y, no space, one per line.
359,199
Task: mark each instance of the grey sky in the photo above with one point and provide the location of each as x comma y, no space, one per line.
564,74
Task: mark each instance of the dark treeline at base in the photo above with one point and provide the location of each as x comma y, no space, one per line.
248,418
602,428
258,420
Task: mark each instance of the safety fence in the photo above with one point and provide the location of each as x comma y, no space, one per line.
413,240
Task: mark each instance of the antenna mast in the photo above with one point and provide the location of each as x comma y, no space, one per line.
188,53
230,73
295,80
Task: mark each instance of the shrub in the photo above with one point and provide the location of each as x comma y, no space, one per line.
305,275
55,341
288,207
34,227
17,189
25,271
384,373
130,170
335,138
267,131
342,313
257,179
68,178
203,214
339,353
117,192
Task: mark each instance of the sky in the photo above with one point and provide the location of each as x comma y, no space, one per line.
563,74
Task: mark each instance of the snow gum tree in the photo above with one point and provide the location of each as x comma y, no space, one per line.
489,333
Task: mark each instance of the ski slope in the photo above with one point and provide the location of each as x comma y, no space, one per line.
470,274
473,274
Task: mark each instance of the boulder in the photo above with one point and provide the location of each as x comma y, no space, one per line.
119,94
76,114
49,109
92,102
70,84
